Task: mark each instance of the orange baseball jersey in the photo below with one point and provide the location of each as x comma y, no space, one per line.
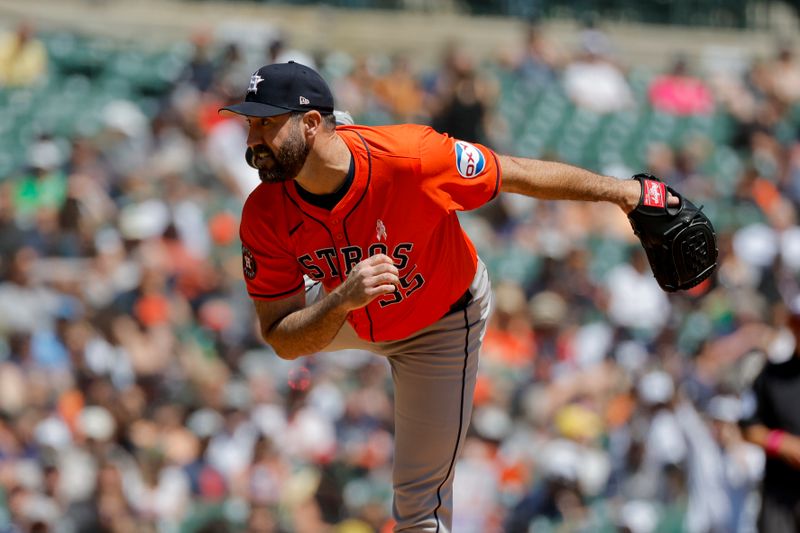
409,182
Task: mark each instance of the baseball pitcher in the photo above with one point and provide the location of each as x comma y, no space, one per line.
369,215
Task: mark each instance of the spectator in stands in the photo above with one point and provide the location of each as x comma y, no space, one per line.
460,103
772,421
354,89
785,75
539,61
231,67
661,162
44,186
201,70
742,462
634,301
679,93
557,496
593,81
399,91
23,58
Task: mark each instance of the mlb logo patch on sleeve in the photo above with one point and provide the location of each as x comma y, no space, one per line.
469,160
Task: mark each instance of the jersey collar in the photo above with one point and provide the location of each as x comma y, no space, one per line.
363,173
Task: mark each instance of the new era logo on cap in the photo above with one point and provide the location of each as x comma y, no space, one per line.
283,87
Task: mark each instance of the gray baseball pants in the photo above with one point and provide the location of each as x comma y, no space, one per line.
434,375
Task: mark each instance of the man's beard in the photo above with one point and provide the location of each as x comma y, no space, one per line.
286,164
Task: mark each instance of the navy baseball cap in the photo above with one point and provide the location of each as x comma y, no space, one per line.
283,87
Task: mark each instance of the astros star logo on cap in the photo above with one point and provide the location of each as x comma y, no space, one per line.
255,79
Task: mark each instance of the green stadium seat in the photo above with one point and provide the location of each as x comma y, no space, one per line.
722,126
73,54
513,263
725,167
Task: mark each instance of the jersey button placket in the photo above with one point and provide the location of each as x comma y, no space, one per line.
337,229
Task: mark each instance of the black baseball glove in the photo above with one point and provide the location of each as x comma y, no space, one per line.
679,241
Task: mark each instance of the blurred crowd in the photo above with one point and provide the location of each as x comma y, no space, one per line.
136,394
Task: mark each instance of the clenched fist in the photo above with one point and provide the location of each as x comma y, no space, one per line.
372,277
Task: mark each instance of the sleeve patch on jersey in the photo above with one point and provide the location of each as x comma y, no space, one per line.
470,161
249,264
